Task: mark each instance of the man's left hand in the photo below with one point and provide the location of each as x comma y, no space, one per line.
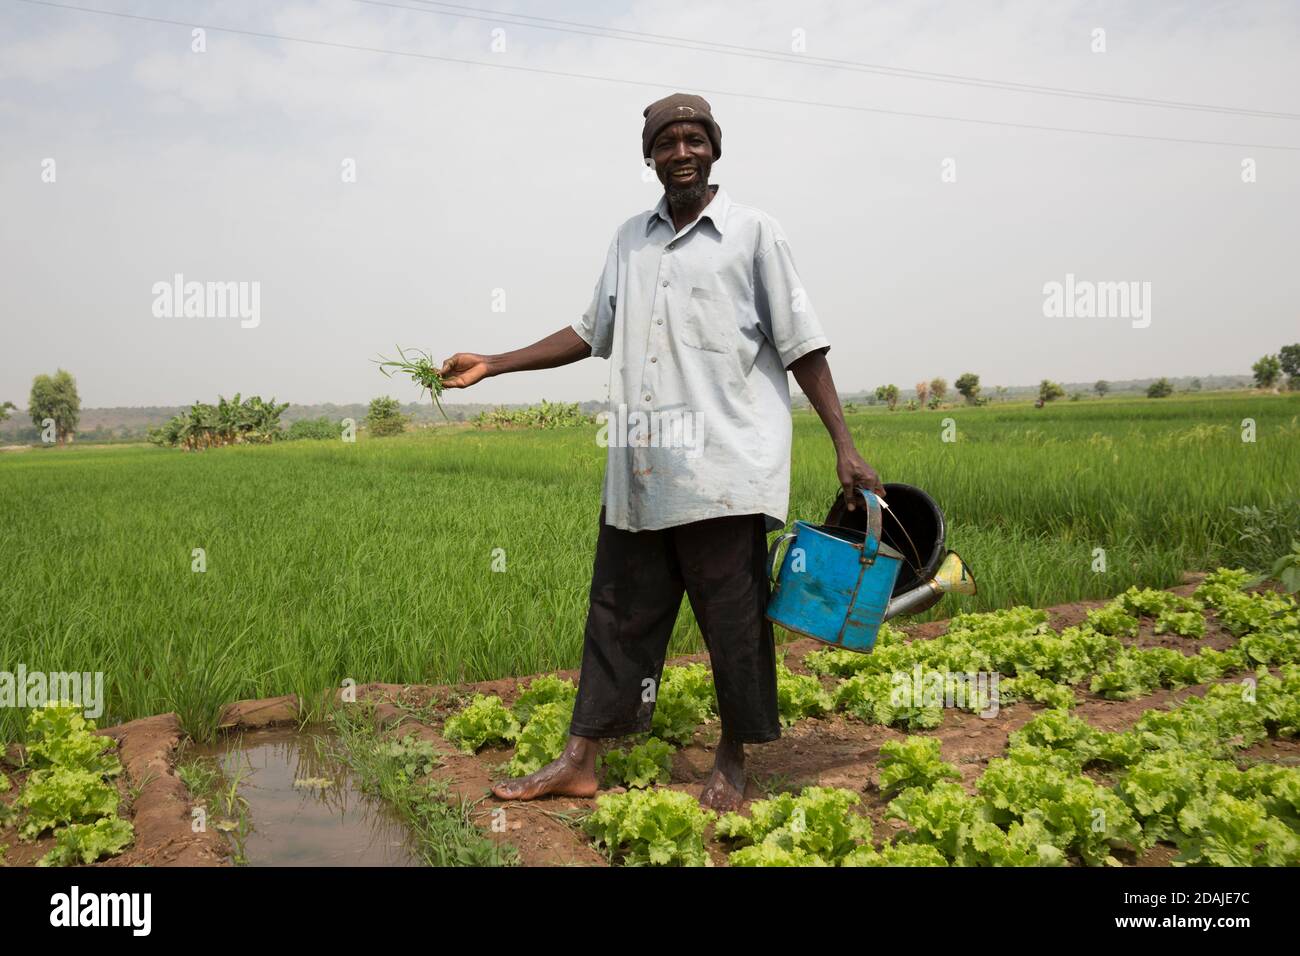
855,473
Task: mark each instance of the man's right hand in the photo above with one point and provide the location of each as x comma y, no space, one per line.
463,369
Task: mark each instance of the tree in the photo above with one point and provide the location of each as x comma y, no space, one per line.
55,397
1194,385
939,388
1050,391
968,384
232,422
922,392
1289,357
1267,370
1160,388
385,417
1101,388
4,410
889,395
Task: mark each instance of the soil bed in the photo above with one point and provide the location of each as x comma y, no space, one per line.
336,825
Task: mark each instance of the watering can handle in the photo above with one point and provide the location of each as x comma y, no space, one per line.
771,553
873,513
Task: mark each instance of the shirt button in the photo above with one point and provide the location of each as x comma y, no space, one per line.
665,283
647,398
660,321
671,244
653,359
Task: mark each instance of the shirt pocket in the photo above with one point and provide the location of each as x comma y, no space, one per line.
710,321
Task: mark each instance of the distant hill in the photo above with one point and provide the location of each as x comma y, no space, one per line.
1137,386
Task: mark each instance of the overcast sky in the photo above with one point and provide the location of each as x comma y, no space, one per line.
227,166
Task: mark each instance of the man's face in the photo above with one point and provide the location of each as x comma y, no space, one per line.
683,157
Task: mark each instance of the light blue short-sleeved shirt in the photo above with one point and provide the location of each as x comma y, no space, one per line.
699,326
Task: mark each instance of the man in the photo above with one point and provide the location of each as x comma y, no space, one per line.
701,312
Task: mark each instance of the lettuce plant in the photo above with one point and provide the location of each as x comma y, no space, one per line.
485,720
651,827
914,762
88,842
799,696
543,739
820,821
547,689
643,765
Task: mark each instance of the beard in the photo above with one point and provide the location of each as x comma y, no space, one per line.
679,195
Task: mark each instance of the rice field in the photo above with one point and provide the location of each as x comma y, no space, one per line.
459,554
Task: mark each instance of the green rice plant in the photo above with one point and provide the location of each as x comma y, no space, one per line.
443,832
304,569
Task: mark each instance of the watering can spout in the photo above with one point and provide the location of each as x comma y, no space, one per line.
953,577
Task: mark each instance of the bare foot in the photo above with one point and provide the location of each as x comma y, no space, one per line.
725,788
572,775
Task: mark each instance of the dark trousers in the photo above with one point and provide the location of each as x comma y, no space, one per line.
636,592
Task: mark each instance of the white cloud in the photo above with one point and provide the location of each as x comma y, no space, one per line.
68,49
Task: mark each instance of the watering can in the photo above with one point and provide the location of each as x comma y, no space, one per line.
839,584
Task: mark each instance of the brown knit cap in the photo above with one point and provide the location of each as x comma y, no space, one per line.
675,109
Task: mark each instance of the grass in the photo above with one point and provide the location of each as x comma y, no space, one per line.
374,560
443,832
216,789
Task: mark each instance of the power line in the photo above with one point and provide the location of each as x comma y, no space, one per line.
439,8
657,84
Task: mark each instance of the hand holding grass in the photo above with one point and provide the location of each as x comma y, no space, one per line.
420,368
464,369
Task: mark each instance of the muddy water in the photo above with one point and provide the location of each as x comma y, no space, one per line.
304,810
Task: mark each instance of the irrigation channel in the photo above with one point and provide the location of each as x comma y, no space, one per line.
296,806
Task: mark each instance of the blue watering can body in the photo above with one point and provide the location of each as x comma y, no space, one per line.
835,583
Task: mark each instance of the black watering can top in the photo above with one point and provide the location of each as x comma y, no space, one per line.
912,525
